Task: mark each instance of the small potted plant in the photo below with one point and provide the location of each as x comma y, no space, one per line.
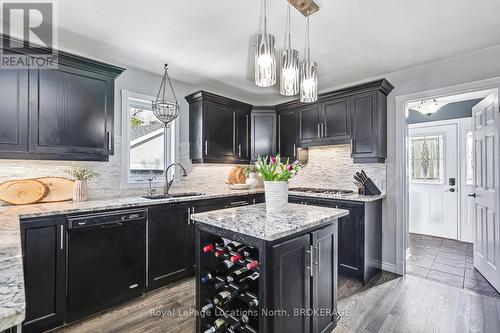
251,172
276,175
82,175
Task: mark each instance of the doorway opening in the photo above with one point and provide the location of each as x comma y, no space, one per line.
446,164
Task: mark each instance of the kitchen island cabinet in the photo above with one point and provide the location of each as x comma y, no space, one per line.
296,272
360,235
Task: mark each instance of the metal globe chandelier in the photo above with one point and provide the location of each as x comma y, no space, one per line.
164,109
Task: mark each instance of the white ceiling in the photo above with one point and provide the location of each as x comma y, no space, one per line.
208,42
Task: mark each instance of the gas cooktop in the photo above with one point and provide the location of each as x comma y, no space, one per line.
321,190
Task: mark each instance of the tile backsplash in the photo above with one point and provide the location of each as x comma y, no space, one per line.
333,167
328,167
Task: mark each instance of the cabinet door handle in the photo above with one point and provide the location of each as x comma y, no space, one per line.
239,150
322,130
311,260
318,263
319,131
279,133
206,147
294,150
62,237
109,140
189,216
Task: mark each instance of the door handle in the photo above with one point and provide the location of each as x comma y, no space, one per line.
294,150
189,216
62,237
474,195
311,260
451,190
319,131
318,263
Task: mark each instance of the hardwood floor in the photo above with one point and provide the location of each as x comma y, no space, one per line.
414,304
388,303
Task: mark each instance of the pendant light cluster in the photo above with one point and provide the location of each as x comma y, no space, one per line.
294,78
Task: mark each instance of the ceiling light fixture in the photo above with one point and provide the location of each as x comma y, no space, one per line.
429,106
265,58
289,79
165,110
308,74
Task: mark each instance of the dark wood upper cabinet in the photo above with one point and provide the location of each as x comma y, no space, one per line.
263,138
219,129
369,127
309,123
65,113
44,264
336,122
14,110
356,115
287,134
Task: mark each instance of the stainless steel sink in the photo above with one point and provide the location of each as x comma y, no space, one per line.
173,195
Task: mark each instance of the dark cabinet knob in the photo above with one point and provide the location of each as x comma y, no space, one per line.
472,195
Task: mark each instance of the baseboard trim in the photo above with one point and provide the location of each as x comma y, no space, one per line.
388,267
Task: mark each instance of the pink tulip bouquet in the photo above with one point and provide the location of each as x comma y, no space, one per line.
271,168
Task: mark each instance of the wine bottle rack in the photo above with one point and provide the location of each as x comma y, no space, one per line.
243,306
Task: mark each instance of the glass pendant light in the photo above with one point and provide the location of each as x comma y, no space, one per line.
265,59
289,78
308,75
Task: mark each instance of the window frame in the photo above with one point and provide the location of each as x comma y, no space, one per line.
129,99
442,161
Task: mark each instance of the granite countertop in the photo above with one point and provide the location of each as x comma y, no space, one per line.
12,298
349,196
254,221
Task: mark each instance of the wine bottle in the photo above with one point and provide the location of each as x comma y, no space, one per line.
234,246
224,266
236,257
219,253
253,265
233,327
220,325
237,275
206,277
211,246
207,307
254,302
226,296
251,252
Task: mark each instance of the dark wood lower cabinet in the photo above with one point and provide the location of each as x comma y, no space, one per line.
292,284
359,235
297,288
44,261
169,246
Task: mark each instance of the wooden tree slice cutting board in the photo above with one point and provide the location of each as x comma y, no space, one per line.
60,188
23,192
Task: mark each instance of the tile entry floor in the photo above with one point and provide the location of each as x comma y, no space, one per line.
447,261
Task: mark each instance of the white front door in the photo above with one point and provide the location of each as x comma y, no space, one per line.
433,172
486,185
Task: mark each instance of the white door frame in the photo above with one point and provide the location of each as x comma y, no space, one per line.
402,217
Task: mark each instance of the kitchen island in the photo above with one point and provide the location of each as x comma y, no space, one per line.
259,272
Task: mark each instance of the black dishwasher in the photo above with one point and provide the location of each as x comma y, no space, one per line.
106,260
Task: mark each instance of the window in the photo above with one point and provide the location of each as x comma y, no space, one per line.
143,141
469,158
427,159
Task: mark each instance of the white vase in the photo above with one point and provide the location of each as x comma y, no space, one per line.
276,196
80,191
252,181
